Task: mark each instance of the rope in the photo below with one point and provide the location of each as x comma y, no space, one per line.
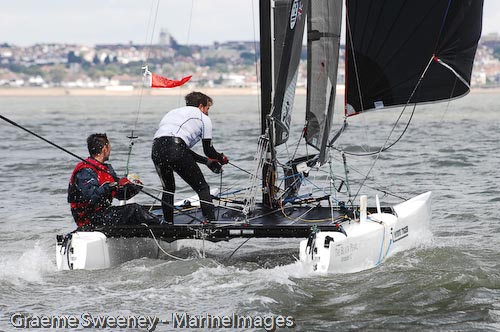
240,210
241,169
197,200
259,159
162,250
386,147
180,211
385,244
241,245
220,190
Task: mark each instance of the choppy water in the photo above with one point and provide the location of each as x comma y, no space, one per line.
451,284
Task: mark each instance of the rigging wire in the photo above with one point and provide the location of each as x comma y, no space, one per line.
40,137
257,76
349,32
132,136
188,38
449,100
188,41
386,147
150,32
395,124
148,53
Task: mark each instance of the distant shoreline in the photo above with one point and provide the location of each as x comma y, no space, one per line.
55,92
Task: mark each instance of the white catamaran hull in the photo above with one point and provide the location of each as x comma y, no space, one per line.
93,250
366,243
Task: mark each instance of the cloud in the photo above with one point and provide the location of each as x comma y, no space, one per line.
121,21
491,16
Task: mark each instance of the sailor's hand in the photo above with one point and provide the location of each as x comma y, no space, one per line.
214,165
138,184
223,159
134,178
123,182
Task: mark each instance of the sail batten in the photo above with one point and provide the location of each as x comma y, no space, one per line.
390,46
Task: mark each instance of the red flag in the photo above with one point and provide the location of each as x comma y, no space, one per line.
163,82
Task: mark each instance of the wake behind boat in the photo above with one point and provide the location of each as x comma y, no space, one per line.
396,56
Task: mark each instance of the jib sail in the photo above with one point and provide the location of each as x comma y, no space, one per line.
323,41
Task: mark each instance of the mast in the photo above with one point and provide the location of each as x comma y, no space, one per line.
282,24
266,89
265,62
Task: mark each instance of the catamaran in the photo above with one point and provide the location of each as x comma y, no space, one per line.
397,54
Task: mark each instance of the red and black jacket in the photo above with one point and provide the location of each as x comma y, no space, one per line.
88,191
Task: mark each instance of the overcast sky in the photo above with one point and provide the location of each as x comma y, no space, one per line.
25,22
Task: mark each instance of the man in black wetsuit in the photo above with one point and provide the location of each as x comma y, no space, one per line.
94,184
179,130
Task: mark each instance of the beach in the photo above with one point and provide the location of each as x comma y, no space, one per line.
21,92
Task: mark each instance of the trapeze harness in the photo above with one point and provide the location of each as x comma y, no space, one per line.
81,208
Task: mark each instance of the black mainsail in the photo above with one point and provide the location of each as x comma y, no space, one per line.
391,45
323,42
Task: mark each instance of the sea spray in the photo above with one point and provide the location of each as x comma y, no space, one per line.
30,266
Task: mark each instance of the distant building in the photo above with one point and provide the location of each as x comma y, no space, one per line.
164,38
225,64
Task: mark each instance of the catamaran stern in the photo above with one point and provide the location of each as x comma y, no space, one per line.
93,250
365,244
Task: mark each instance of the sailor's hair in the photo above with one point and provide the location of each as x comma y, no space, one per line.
96,142
196,99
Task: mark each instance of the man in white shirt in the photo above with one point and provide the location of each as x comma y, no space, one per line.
179,130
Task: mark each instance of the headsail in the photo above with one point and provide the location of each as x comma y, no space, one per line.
323,41
391,44
287,50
